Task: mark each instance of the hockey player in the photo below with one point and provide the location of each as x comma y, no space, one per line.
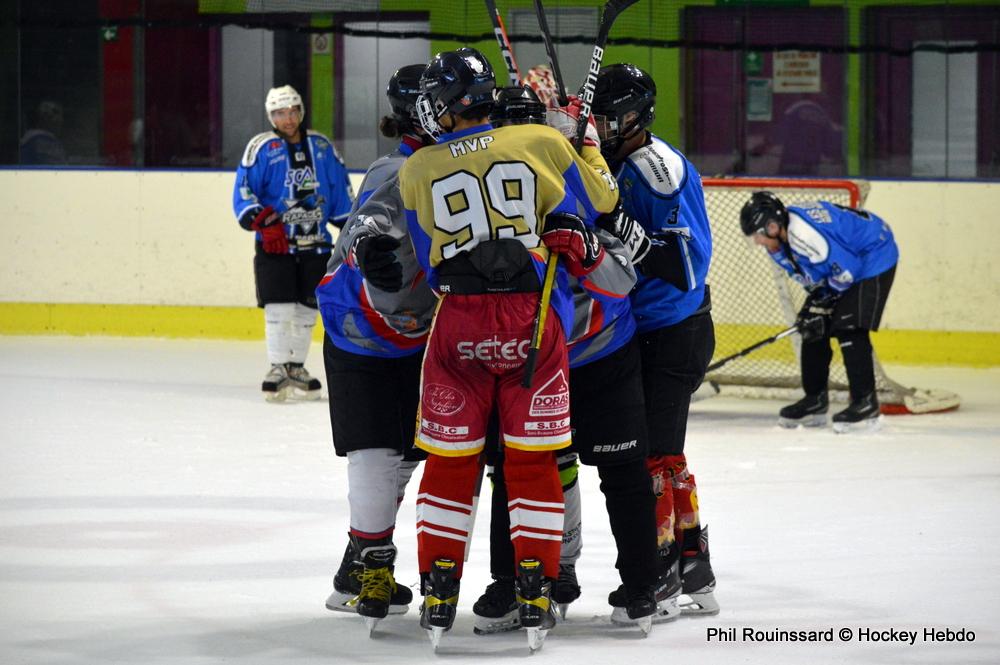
290,184
665,224
477,204
846,260
377,314
609,431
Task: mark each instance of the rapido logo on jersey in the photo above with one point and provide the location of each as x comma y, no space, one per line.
552,399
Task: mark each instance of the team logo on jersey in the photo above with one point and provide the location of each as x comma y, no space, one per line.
274,145
552,399
442,400
300,178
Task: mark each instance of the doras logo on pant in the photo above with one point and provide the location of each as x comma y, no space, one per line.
552,399
443,400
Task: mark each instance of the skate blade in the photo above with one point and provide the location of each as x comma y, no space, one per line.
814,420
305,395
435,633
562,608
666,611
343,602
867,425
536,638
699,604
505,624
371,622
276,396
645,625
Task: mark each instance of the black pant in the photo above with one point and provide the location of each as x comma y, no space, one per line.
606,409
857,312
674,359
288,277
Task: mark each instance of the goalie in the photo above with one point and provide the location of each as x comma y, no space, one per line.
846,259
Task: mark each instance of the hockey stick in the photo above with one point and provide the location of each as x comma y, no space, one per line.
550,264
513,73
753,347
611,11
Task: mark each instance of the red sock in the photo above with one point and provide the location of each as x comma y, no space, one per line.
659,471
685,502
444,509
536,506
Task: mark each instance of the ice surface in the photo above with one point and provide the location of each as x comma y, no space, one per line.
153,509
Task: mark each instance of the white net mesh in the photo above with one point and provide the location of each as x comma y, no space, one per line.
753,299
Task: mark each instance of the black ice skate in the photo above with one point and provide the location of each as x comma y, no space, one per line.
276,384
440,589
347,586
377,582
306,386
534,599
566,589
862,414
497,610
629,605
696,573
810,411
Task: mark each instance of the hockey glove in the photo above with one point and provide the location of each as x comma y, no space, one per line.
627,229
272,231
375,258
815,317
567,235
567,119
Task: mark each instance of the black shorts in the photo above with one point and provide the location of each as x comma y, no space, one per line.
607,408
288,277
861,305
673,366
373,401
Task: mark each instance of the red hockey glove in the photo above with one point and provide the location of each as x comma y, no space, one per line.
272,231
567,235
567,119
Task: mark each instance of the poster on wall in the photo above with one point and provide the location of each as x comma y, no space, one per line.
796,71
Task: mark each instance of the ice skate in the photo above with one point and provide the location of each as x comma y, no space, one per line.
698,580
534,599
629,605
377,582
305,384
566,589
347,587
277,384
496,610
810,411
862,415
440,589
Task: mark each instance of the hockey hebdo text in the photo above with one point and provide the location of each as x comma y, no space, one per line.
864,635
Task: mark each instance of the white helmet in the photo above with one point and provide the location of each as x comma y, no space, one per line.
283,98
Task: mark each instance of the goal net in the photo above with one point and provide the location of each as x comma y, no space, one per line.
753,299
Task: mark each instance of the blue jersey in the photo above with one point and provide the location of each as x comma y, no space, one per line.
662,190
833,246
602,311
277,174
361,318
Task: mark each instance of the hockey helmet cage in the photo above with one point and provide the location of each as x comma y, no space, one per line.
282,98
623,89
403,90
517,105
762,208
458,81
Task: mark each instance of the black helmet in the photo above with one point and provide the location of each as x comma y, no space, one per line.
622,89
402,91
458,81
517,105
763,207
